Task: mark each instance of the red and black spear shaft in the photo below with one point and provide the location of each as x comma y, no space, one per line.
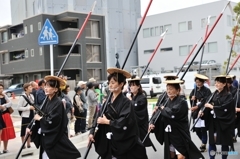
154,52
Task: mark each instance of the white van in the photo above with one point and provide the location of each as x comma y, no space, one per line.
151,85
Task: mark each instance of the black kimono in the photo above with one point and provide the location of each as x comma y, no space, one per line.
140,105
172,128
221,119
124,142
53,132
201,96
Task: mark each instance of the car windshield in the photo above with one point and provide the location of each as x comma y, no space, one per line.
156,80
204,61
144,81
13,86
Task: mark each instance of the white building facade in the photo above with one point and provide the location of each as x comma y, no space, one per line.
185,27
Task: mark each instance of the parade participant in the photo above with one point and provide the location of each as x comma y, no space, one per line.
118,134
232,89
230,86
50,130
140,103
167,77
172,126
219,117
198,98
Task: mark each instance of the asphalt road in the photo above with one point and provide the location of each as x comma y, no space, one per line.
160,149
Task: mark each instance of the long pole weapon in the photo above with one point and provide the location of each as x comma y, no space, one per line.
233,64
154,52
32,123
204,41
110,96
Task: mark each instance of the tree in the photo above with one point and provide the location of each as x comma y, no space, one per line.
234,54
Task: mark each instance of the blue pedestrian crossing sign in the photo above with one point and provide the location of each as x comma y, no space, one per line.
48,35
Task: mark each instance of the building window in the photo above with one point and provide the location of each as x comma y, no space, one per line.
169,27
25,30
212,47
26,53
161,29
31,28
4,37
39,26
32,52
189,25
17,55
230,20
166,49
184,50
94,73
152,31
93,53
148,51
203,23
146,33
182,27
92,29
157,31
5,58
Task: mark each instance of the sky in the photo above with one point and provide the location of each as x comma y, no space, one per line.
158,6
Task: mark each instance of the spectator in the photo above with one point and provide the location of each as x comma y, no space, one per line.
92,99
82,84
8,132
69,106
27,111
78,110
92,80
34,88
235,82
40,94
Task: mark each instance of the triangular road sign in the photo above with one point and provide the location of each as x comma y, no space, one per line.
47,35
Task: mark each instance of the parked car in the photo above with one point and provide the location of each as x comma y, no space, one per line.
17,89
151,85
209,62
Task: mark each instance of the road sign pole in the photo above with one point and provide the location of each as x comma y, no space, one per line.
51,60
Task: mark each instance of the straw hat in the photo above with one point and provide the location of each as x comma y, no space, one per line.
55,78
134,79
92,80
118,70
229,76
201,76
170,77
173,81
220,76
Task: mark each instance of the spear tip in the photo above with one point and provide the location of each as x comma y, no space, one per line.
94,4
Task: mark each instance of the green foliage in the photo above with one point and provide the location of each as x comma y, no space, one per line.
236,9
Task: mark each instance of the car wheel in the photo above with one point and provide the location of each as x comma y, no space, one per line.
9,94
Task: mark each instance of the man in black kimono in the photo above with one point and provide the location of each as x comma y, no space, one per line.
171,125
117,133
50,130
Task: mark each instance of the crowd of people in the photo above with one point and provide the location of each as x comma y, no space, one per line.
120,129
